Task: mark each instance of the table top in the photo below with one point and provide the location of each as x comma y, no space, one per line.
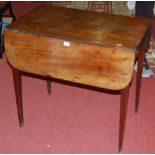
84,26
96,49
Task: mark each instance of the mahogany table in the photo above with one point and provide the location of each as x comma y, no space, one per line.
83,47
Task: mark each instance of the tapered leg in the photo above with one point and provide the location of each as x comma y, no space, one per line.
49,86
123,113
18,92
141,54
139,77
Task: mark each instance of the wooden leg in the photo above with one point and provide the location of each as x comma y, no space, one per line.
49,87
18,92
123,113
139,78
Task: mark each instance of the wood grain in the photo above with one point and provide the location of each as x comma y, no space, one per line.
82,63
85,26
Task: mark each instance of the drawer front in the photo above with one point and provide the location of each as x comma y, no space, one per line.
68,60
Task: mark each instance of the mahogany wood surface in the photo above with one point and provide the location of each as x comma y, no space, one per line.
83,26
82,63
90,48
18,93
49,27
123,114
